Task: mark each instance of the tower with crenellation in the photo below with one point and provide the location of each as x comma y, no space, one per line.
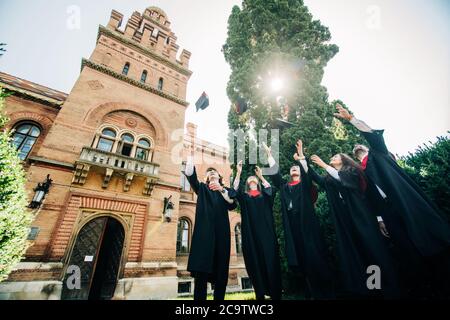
109,149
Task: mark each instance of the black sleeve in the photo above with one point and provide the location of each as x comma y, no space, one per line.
236,194
277,179
269,194
233,194
267,191
376,201
316,177
230,206
350,178
375,140
193,181
304,175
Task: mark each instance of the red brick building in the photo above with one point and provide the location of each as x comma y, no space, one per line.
113,147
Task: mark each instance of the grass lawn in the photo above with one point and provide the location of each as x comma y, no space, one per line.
243,296
228,296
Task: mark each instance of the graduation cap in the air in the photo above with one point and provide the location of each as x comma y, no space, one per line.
241,105
280,123
203,102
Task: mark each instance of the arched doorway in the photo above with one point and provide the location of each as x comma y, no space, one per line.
97,252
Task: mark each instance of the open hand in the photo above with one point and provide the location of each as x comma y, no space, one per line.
258,172
215,186
342,113
296,157
316,159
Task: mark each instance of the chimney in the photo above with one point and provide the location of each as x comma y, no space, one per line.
191,130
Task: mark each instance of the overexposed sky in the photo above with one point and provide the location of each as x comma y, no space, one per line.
392,69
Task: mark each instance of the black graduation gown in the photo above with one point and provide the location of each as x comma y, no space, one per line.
360,243
259,241
411,218
210,246
305,246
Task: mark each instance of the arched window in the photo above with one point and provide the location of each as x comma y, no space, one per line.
238,238
183,233
126,145
160,84
144,76
24,138
177,89
143,149
106,140
126,68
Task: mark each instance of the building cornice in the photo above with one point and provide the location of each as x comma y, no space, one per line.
32,96
119,76
113,34
51,162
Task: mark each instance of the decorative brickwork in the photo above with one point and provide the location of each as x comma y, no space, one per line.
81,208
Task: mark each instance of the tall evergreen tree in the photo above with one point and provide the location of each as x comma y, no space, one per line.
429,166
277,53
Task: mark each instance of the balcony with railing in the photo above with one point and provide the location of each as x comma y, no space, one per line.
114,162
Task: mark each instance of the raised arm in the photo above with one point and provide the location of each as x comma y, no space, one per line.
237,179
261,178
276,178
314,175
373,137
300,157
236,189
317,178
190,171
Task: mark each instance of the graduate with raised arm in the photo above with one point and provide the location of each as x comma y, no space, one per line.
415,226
259,240
210,248
305,246
360,244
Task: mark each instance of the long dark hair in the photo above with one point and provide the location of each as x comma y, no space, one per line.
349,164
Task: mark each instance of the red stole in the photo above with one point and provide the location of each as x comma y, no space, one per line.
364,162
254,193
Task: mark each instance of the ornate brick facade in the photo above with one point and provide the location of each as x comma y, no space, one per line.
133,87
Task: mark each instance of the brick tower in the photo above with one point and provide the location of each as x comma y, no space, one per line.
116,211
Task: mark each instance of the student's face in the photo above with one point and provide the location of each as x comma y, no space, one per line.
212,175
360,152
336,161
252,183
295,171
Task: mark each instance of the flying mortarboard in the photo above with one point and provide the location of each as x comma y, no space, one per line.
241,106
280,123
203,102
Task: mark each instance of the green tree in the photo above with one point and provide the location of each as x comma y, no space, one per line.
15,220
429,166
277,53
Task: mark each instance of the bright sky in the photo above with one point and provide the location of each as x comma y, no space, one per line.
392,69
